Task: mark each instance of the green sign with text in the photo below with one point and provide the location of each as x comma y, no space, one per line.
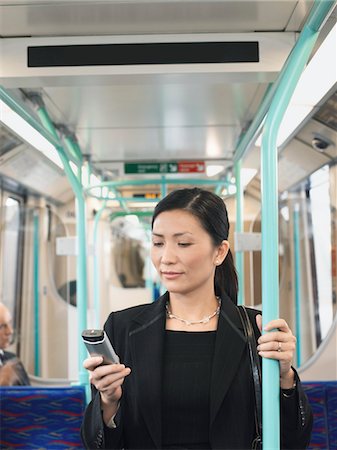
144,168
165,167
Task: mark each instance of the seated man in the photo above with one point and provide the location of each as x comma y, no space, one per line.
12,372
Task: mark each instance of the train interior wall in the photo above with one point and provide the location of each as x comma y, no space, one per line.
57,327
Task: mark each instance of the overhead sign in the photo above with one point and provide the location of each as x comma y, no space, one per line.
165,167
191,167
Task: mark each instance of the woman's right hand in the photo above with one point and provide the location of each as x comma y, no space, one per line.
107,379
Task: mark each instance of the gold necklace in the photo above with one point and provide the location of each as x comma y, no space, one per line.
206,319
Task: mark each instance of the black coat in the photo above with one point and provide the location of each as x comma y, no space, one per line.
23,378
138,337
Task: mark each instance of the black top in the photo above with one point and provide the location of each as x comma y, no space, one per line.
138,335
186,386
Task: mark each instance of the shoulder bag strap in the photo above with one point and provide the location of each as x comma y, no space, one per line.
255,369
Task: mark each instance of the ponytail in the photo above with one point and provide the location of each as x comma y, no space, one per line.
226,279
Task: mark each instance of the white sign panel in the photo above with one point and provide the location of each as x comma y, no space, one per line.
66,246
247,242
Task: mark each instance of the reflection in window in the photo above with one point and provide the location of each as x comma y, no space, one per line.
129,251
321,230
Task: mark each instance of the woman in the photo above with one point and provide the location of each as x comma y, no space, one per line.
185,381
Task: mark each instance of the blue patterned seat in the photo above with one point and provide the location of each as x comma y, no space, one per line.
323,399
50,418
41,418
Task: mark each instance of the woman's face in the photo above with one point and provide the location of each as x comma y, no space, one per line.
183,252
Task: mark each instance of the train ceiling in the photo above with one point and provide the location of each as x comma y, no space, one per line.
152,112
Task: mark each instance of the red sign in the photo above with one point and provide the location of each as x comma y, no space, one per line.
191,167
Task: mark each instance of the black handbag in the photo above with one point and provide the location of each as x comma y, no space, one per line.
256,374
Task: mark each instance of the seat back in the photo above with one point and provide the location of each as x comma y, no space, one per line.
322,396
45,418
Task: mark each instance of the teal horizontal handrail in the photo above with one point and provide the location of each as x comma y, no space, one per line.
116,214
154,181
128,199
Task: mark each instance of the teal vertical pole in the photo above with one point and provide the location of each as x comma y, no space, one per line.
163,187
239,255
297,282
224,183
36,265
73,147
79,174
88,174
96,281
219,189
270,295
269,182
81,261
81,285
251,134
149,282
77,150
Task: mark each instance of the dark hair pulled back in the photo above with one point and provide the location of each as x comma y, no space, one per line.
211,211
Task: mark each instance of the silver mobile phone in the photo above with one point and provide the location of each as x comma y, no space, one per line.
98,344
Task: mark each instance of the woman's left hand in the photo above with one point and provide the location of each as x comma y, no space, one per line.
279,344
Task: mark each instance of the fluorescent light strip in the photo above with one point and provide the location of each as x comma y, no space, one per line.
23,129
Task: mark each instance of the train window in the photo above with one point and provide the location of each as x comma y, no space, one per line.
307,260
63,266
322,232
10,251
